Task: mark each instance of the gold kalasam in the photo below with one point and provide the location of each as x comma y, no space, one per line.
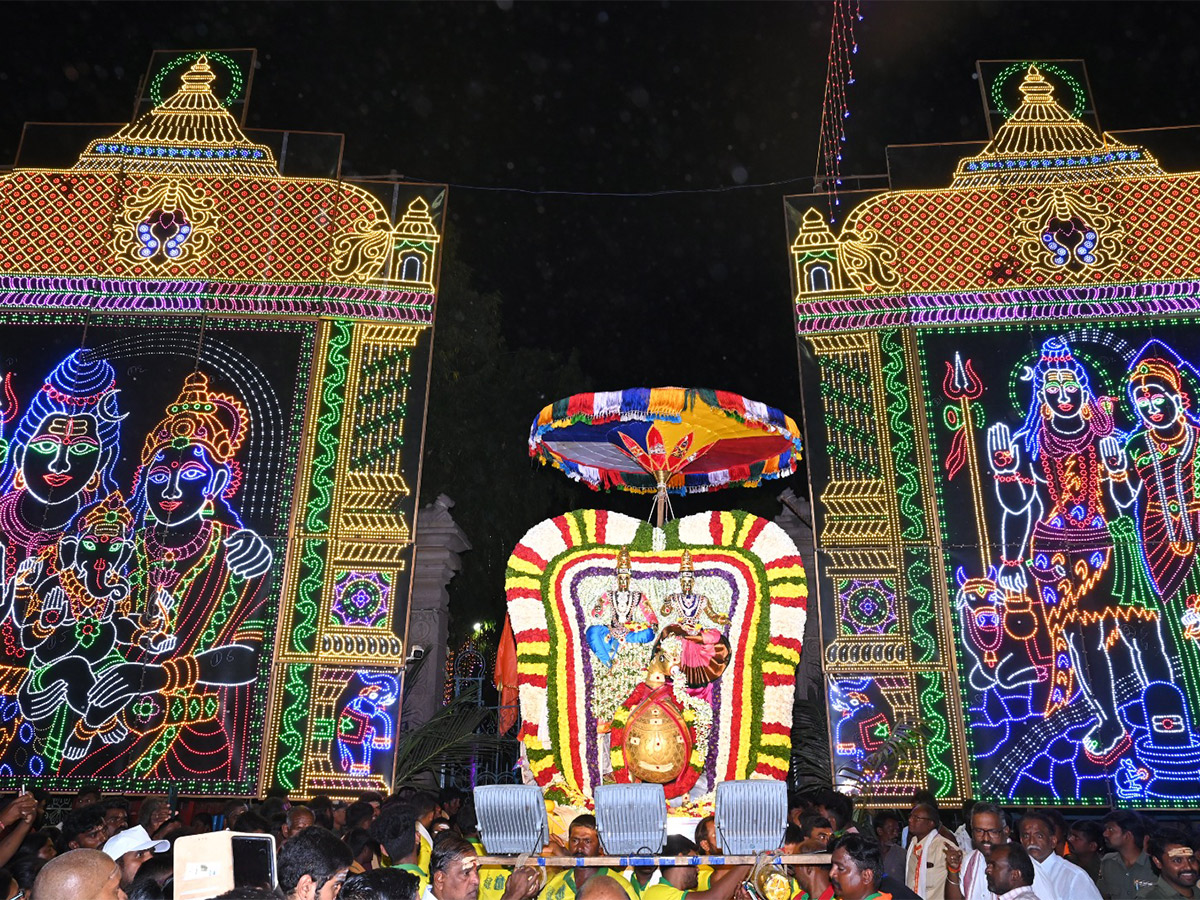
657,743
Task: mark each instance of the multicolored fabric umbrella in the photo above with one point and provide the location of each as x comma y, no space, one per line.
686,440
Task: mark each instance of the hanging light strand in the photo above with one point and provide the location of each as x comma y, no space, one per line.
834,108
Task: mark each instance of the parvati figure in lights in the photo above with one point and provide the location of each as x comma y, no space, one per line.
1156,469
200,565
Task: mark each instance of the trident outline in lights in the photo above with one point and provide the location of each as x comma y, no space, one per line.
961,385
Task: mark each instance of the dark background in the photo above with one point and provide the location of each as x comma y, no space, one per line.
545,294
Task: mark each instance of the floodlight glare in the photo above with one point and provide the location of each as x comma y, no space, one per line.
751,815
631,818
512,818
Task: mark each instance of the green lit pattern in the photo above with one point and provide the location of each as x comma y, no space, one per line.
157,751
937,746
852,442
236,80
295,708
918,577
908,479
1077,92
378,435
336,363
308,597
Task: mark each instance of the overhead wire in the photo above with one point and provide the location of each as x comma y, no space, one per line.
721,189
393,176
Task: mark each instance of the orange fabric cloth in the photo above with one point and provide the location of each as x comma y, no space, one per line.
505,677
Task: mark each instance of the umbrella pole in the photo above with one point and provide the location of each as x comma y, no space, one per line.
660,502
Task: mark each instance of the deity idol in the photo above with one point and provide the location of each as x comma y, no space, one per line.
197,563
1162,482
73,601
624,616
704,650
657,741
1049,480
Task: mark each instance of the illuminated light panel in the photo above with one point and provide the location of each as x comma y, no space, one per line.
1004,373
361,598
217,481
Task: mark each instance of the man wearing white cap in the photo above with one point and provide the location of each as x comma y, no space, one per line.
130,848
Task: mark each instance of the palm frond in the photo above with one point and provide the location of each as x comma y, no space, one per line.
810,765
456,735
905,741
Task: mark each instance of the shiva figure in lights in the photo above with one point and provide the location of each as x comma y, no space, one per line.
207,572
1156,469
365,726
1049,479
61,457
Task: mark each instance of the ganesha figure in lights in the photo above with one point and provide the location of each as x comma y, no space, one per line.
73,602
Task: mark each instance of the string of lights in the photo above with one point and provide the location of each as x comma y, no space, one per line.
834,107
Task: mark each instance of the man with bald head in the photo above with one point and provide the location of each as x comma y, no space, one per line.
80,875
602,887
1010,873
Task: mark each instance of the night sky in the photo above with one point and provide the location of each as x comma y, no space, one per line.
703,101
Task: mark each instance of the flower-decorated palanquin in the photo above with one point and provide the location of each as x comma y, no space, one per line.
205,494
663,655
1002,375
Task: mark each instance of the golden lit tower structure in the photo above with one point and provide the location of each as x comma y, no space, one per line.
1002,375
225,360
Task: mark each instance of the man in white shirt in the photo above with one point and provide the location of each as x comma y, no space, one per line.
925,863
962,833
1062,879
989,829
1010,873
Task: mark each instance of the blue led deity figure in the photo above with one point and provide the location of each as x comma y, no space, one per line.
1058,548
364,727
190,709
